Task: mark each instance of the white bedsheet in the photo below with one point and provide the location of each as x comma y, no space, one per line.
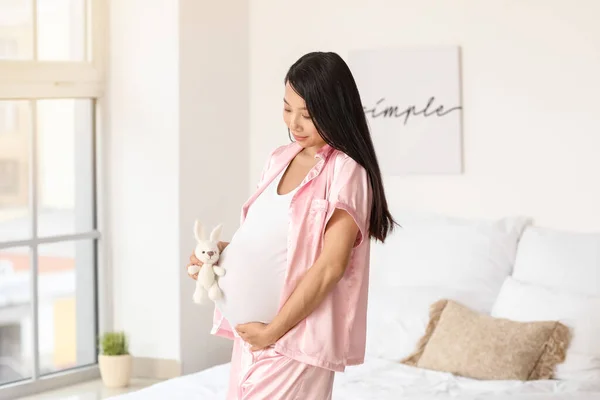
381,380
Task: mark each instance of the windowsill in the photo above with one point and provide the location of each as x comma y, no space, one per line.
49,382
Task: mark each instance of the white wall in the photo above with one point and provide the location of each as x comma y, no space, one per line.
178,150
144,186
530,96
214,139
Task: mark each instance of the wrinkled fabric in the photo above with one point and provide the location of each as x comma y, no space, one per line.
266,374
379,379
334,335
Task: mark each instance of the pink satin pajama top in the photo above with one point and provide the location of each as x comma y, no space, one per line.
334,335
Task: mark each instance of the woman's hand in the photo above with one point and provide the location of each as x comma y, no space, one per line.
194,260
257,334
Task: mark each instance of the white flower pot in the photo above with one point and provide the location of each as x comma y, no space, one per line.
115,370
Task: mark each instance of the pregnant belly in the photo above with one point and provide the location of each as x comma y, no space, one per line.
252,284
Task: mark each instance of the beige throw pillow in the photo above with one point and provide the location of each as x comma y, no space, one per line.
467,343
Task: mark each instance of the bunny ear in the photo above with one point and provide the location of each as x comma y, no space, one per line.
198,231
215,235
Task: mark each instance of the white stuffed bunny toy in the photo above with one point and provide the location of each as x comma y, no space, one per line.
207,251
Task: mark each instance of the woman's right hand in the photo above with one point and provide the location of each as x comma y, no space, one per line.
193,261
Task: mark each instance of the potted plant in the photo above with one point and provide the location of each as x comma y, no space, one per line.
114,360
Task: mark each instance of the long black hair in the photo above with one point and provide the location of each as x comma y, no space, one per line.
328,88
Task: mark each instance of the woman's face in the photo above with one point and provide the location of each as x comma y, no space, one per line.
298,120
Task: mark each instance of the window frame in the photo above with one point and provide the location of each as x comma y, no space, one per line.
24,79
38,80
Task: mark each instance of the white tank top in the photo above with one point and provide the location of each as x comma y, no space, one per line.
256,260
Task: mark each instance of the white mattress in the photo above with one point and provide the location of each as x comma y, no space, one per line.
381,380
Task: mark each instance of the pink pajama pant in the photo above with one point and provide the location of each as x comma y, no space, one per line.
268,375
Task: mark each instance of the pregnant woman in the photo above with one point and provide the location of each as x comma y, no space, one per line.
295,291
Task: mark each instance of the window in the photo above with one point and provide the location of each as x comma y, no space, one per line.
9,177
8,117
8,48
51,82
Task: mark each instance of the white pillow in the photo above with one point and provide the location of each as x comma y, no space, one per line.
433,257
521,301
398,317
459,254
565,260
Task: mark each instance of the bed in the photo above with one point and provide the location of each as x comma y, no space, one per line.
506,268
381,380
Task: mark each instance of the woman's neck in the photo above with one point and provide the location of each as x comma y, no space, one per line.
313,150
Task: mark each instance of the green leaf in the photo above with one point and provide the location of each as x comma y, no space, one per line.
114,344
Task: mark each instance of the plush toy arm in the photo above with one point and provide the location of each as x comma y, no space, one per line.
219,271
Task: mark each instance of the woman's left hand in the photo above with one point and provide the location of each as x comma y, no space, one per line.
257,334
